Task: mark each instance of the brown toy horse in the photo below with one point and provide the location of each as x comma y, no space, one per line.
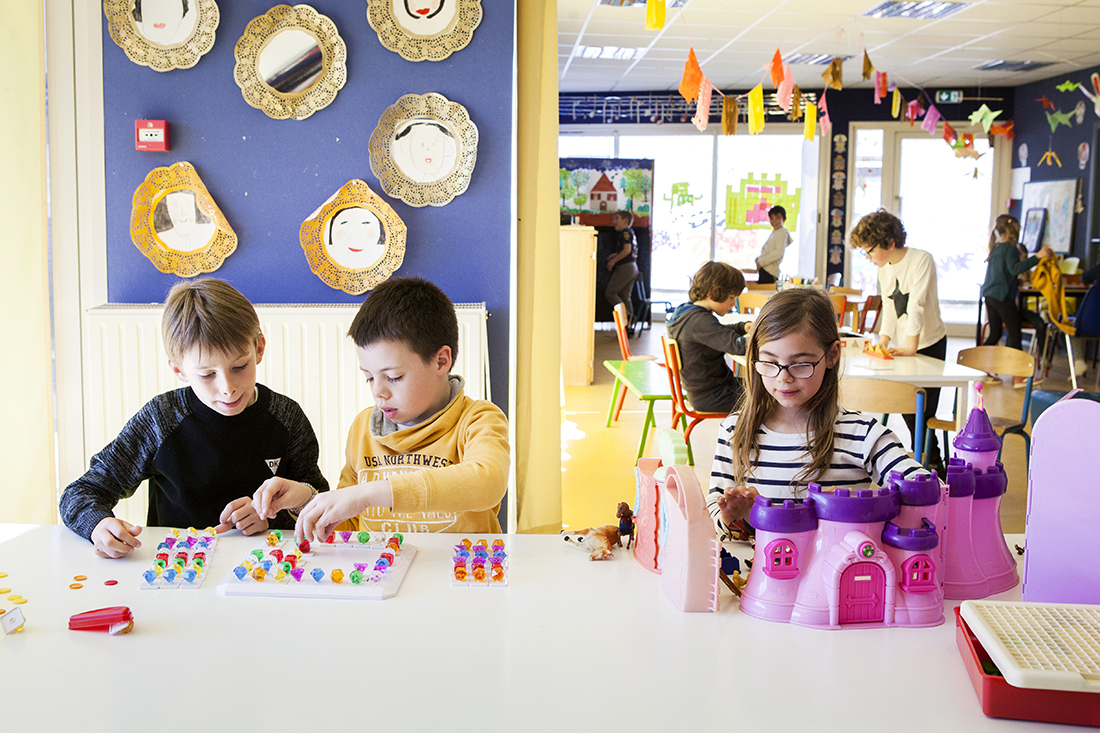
626,522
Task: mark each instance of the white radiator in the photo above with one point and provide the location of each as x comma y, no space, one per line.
308,358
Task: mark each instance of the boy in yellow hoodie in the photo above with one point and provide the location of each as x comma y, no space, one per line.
425,457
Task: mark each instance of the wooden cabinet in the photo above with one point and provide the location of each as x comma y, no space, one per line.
578,303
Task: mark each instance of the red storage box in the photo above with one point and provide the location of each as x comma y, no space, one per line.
1001,700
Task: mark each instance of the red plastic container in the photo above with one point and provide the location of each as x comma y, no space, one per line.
1001,700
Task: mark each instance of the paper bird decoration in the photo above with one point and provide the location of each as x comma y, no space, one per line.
984,116
796,105
834,74
949,135
880,86
730,112
702,112
931,119
777,69
756,110
1048,156
868,67
786,88
693,77
964,147
1046,102
1059,118
654,15
1003,128
1095,96
896,109
1067,86
810,125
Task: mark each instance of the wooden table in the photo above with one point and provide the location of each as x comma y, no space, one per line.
1023,296
566,641
648,380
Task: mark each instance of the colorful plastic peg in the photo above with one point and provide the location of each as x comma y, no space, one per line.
259,555
241,572
399,537
150,576
169,576
317,574
277,554
303,546
297,574
356,577
331,538
345,536
258,574
363,537
337,576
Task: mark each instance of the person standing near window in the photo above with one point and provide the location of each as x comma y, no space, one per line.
771,256
622,264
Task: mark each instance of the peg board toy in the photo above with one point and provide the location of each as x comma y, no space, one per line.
478,564
181,560
347,565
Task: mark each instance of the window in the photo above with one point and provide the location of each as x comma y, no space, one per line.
782,559
918,575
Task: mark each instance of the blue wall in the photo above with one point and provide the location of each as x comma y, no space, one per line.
1033,129
267,175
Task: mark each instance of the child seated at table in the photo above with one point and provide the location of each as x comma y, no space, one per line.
425,457
790,430
205,448
704,342
911,321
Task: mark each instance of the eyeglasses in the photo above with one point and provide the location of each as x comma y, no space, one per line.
804,370
867,252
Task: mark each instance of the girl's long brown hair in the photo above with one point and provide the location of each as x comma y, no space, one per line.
805,310
1005,229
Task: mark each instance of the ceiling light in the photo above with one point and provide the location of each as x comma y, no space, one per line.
614,53
813,59
923,10
639,3
1013,65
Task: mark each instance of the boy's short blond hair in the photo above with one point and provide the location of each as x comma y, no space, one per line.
210,315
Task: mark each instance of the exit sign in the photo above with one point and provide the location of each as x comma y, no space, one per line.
949,96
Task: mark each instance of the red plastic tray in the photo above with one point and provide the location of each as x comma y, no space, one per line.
1001,700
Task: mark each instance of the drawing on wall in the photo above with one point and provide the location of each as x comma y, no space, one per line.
163,34
424,149
177,225
593,189
354,240
424,30
748,207
1058,198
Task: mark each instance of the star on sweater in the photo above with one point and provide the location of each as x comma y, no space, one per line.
901,301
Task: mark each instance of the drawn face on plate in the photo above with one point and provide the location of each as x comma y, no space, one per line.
355,238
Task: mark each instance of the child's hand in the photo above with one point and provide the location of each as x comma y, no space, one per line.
240,514
735,503
114,537
277,494
328,509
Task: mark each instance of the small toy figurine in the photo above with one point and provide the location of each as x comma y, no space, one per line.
597,541
626,523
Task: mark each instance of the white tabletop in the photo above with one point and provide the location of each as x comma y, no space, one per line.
568,643
919,370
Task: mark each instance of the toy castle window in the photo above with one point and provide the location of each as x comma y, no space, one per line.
782,558
919,575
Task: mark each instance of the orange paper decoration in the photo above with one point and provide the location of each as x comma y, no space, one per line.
693,77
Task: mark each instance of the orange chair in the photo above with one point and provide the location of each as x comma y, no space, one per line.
872,304
619,313
840,305
681,411
751,301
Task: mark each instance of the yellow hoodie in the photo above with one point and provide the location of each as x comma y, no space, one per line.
448,474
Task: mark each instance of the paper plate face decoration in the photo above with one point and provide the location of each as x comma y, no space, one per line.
163,34
424,149
422,30
354,240
177,225
291,62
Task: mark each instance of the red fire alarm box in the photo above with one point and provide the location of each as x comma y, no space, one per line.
151,135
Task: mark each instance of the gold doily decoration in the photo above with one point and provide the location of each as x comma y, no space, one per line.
432,31
177,225
297,85
354,215
424,149
179,45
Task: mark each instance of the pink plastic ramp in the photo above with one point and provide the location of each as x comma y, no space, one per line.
689,569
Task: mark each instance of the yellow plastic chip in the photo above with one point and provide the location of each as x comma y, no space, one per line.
5,590
20,600
80,577
75,586
3,575
13,596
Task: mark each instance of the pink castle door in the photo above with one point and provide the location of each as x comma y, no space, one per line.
862,594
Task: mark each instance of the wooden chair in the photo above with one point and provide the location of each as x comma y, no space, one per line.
619,314
840,305
681,411
997,360
850,306
761,287
751,301
873,304
886,397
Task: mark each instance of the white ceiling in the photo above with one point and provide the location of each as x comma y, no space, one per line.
735,39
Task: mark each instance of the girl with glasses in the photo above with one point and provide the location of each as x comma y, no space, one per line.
789,430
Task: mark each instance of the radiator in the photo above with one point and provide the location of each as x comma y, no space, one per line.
308,358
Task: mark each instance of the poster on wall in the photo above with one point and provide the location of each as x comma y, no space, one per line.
1058,198
591,190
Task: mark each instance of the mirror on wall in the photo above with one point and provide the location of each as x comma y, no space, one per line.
355,240
424,149
424,30
176,223
163,34
291,62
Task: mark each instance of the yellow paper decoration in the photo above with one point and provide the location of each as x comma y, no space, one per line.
756,110
834,74
896,109
654,15
811,121
868,67
730,113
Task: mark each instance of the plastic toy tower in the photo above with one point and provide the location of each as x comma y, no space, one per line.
979,562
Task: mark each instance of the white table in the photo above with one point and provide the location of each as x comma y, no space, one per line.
568,644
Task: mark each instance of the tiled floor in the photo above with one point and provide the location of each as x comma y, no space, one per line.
598,462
